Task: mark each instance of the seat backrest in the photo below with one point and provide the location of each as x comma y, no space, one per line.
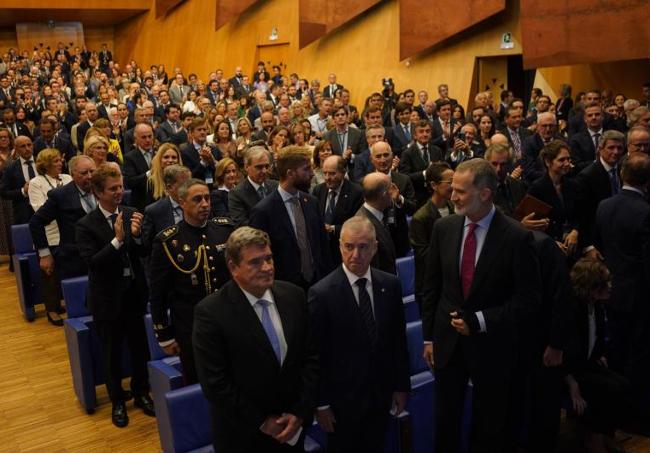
74,293
22,238
155,351
406,273
189,417
415,343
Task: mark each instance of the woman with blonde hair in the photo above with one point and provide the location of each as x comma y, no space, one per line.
244,132
49,164
6,215
104,127
226,177
96,146
168,154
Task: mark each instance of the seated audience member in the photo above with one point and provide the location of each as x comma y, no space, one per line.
439,177
96,147
464,146
261,397
114,149
599,395
226,177
546,132
49,164
137,165
50,139
223,139
558,190
175,287
354,401
109,242
167,154
338,200
322,151
16,178
292,220
197,154
299,135
253,188
267,122
416,159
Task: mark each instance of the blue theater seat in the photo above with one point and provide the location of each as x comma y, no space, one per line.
26,270
74,294
411,311
406,274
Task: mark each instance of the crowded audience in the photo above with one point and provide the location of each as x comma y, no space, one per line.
271,191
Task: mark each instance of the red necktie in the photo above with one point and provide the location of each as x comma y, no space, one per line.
467,265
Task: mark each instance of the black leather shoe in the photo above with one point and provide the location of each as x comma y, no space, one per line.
56,322
127,395
145,403
60,310
119,416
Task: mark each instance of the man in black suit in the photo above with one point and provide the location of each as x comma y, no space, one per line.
445,127
338,200
198,155
585,142
377,189
481,286
416,159
137,165
255,356
193,243
622,235
91,116
15,180
65,205
16,128
332,87
171,130
105,57
50,139
546,133
510,190
598,181
236,80
267,121
253,188
577,122
6,93
514,131
358,319
292,220
104,106
361,163
443,92
402,132
346,141
109,242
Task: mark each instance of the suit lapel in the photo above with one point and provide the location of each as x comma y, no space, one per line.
169,210
281,209
379,295
493,243
342,203
287,320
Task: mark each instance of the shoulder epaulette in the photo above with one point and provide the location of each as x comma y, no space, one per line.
168,232
221,221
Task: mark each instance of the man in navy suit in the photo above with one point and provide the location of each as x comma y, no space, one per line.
358,319
137,165
292,220
585,143
65,205
15,180
50,139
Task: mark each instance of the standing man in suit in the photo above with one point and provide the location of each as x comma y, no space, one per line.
622,235
193,243
416,159
514,131
598,181
137,165
585,142
178,90
50,139
65,205
253,188
362,162
91,116
198,155
291,218
346,141
444,127
15,180
358,319
546,133
255,356
402,132
171,130
510,189
332,87
109,241
338,200
481,286
105,57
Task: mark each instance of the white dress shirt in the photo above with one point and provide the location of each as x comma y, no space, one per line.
287,198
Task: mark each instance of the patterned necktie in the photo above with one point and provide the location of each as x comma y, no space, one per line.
261,193
596,141
425,154
516,142
306,268
365,307
467,264
267,324
613,179
331,204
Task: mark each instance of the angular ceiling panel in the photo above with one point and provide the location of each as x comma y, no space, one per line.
317,18
421,28
164,6
228,10
584,31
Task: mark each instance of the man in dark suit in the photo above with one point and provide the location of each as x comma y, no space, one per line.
6,93
109,242
50,139
16,128
510,190
546,133
622,235
198,155
332,87
481,286
445,127
65,205
346,141
105,57
402,132
15,180
104,107
137,166
268,123
171,130
292,220
358,319
585,142
362,164
253,188
236,80
598,181
416,159
443,92
91,116
514,131
255,356
338,200
377,200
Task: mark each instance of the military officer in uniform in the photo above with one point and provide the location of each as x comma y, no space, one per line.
187,264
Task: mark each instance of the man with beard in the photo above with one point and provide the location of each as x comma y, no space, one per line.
293,221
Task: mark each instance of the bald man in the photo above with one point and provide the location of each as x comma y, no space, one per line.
91,116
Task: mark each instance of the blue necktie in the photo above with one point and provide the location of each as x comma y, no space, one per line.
269,329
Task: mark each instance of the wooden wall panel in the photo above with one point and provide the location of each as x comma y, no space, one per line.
228,10
8,39
96,36
164,6
423,26
33,34
584,31
318,18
